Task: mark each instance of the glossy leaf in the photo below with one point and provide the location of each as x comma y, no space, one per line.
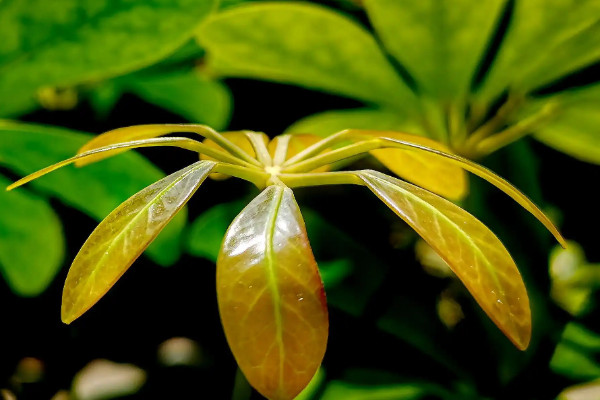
302,44
270,295
122,236
545,40
471,250
96,189
55,43
189,94
440,42
31,241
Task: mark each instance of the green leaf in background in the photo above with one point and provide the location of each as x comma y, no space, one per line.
440,42
187,93
576,353
67,42
575,129
546,39
584,391
302,44
95,189
329,122
31,241
339,390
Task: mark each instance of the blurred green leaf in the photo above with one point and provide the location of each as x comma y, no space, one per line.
339,390
67,42
575,129
440,42
187,93
312,388
31,241
329,122
96,189
576,352
302,44
545,41
207,231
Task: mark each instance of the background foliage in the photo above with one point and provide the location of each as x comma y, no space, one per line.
477,75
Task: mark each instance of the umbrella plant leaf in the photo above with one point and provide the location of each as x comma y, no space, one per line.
67,42
31,241
472,251
187,93
440,42
123,235
302,44
271,298
96,189
545,41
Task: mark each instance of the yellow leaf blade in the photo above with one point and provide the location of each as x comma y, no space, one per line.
238,138
471,250
271,297
426,170
122,237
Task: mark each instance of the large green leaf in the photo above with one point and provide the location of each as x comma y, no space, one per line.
123,235
187,93
66,42
546,39
31,241
94,189
302,44
271,297
472,251
440,42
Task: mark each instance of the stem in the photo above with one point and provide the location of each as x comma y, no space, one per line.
260,148
334,156
219,139
258,178
281,150
320,179
515,132
495,122
318,147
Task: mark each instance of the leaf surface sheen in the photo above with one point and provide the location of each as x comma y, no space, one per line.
271,297
472,251
123,235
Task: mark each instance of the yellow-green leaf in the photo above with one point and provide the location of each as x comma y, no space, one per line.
122,236
302,44
471,250
271,297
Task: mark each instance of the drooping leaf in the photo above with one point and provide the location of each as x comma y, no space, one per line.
576,354
187,93
471,250
302,44
545,40
123,235
439,42
271,297
96,189
31,241
67,42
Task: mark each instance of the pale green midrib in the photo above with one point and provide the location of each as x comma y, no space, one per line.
137,216
272,280
416,198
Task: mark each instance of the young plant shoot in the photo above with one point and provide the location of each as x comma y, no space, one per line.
270,294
